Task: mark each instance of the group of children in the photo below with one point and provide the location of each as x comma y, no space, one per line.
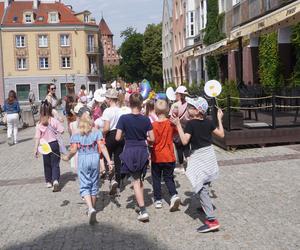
142,141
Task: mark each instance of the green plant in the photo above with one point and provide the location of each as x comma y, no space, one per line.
269,63
196,89
229,88
295,79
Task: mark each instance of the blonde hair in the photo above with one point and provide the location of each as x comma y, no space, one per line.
161,107
85,124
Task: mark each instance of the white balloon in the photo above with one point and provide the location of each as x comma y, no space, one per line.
171,94
213,88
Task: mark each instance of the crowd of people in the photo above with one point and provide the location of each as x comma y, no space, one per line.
116,134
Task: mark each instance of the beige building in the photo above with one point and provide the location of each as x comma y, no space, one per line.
47,42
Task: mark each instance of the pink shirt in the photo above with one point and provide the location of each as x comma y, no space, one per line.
43,132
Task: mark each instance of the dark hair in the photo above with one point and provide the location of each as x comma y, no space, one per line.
70,104
149,107
49,87
136,101
12,97
83,87
45,112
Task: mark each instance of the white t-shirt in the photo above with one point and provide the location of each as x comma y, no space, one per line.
112,114
99,123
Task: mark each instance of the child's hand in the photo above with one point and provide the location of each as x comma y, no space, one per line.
36,153
175,120
220,114
65,157
111,166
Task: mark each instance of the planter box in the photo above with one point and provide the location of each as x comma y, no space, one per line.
236,120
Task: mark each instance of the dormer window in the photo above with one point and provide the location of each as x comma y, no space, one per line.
53,17
28,17
86,18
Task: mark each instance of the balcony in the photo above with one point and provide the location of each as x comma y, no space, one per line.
91,50
93,70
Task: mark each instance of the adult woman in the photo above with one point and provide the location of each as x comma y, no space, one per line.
53,100
12,109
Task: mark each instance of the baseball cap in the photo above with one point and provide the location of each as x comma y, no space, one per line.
99,95
181,90
83,110
199,103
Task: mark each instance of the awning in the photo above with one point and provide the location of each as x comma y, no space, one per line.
211,48
260,24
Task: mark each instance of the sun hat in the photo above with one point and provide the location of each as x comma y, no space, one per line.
199,103
99,95
77,108
112,94
181,90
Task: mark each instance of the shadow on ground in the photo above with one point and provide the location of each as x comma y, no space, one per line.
100,236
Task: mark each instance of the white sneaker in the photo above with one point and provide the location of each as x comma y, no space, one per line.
179,170
49,185
55,186
175,202
158,204
113,188
143,216
92,216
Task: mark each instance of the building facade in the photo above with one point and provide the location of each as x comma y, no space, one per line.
47,42
167,43
110,54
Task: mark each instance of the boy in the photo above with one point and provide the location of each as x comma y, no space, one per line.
163,157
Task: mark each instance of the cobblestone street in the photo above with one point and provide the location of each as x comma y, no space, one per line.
257,198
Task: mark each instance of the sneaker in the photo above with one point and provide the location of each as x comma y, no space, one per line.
143,216
158,204
9,141
179,170
55,186
92,216
113,188
49,185
209,226
175,202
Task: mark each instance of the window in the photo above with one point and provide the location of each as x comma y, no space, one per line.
63,89
234,2
192,17
86,18
43,91
43,41
44,63
92,87
23,91
192,30
66,62
53,17
91,43
20,41
64,40
28,18
21,63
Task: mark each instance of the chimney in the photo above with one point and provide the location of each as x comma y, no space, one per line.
35,4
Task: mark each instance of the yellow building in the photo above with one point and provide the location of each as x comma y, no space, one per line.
47,42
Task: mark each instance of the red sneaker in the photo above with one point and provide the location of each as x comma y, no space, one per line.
209,226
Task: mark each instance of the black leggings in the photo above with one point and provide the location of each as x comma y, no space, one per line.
182,150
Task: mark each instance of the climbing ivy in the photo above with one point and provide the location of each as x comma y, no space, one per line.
295,80
269,63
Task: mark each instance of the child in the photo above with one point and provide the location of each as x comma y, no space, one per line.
202,164
89,145
150,111
47,129
163,157
135,155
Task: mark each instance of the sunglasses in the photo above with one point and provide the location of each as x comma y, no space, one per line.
53,88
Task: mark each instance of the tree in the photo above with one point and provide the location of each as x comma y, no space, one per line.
151,55
111,73
131,65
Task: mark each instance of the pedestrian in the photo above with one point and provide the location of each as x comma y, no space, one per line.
179,109
82,92
89,144
70,104
48,129
110,119
53,100
202,166
31,97
150,110
12,109
163,158
135,155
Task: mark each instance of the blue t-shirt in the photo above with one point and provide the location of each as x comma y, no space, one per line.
11,108
135,127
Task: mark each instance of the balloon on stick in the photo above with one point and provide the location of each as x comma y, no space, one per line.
145,89
45,149
170,93
213,89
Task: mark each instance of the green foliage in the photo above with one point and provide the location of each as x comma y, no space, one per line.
111,73
196,89
295,80
212,67
131,66
151,54
229,88
269,63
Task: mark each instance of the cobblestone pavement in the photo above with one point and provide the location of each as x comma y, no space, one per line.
257,199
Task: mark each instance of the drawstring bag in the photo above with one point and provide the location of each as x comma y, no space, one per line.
57,135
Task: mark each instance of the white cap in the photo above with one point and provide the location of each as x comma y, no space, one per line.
99,95
181,90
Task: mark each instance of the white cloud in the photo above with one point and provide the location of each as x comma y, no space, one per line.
120,14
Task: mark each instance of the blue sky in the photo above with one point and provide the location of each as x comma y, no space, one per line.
120,14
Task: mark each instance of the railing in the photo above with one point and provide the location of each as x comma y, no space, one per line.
92,50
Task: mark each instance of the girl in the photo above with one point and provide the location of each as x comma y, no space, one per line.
12,109
150,111
202,165
47,129
135,154
89,144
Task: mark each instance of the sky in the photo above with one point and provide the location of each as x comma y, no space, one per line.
120,14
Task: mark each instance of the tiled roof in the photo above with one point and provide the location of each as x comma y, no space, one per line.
104,29
14,14
1,10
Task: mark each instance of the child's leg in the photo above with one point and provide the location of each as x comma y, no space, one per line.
47,168
55,160
88,201
94,199
138,188
168,171
206,202
156,180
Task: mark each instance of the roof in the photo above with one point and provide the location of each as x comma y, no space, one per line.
104,29
1,10
14,14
